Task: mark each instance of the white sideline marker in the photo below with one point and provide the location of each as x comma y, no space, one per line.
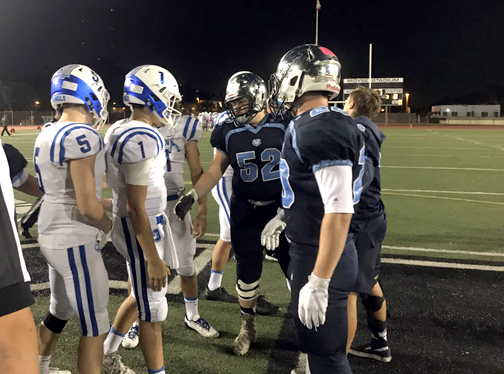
447,265
453,251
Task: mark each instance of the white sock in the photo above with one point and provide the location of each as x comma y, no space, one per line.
44,362
191,307
215,280
112,342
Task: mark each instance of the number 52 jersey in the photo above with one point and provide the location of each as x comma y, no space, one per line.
320,138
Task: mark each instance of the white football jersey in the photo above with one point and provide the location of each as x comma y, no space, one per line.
186,130
55,145
131,142
224,117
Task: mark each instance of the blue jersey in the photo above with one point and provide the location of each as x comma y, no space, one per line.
370,204
254,154
316,139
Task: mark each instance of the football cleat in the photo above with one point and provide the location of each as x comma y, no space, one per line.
202,326
112,364
264,307
247,335
220,294
131,339
58,371
374,350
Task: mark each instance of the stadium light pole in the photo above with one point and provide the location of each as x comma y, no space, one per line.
370,62
317,8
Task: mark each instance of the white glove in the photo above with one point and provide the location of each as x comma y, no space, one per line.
313,299
270,236
103,237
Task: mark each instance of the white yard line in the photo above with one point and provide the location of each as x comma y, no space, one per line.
469,141
447,265
443,198
439,156
437,168
447,148
453,251
173,287
448,192
199,263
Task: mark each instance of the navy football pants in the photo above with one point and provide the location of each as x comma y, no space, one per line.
326,346
247,223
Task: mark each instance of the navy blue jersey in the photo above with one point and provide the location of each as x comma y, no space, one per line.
370,204
316,139
254,154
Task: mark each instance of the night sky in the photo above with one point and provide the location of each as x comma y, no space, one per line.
441,48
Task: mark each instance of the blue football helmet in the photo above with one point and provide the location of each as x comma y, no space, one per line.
156,88
78,84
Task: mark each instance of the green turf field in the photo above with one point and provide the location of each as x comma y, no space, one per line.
442,190
443,198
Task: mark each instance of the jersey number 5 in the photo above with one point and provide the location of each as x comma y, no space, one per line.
249,170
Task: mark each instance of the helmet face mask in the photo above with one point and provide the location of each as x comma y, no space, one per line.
306,68
78,84
156,88
245,97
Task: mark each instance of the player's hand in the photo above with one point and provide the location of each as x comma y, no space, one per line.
185,203
270,236
104,237
200,225
313,300
157,271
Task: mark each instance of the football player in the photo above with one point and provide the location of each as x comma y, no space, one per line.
69,160
251,144
181,143
136,165
369,225
321,172
222,192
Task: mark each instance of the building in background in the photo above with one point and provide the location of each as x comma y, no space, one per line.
477,111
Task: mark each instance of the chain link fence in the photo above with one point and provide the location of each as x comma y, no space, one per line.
27,118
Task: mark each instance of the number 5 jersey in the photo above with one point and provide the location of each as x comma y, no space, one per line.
55,146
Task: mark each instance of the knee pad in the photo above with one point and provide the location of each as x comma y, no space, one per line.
247,291
158,310
54,324
372,303
186,271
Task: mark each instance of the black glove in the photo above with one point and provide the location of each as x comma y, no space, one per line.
184,204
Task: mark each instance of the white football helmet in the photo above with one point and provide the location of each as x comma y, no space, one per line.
306,68
78,84
156,88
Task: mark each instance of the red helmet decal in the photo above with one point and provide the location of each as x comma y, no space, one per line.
327,51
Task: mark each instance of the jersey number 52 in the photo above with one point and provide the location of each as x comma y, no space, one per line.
250,171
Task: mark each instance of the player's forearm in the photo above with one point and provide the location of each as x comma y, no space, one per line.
92,210
107,204
333,235
30,187
208,180
143,232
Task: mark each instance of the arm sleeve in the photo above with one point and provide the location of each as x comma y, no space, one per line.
20,179
138,174
16,161
79,141
336,188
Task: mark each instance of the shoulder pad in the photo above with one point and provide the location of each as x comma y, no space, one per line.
135,144
189,128
74,141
